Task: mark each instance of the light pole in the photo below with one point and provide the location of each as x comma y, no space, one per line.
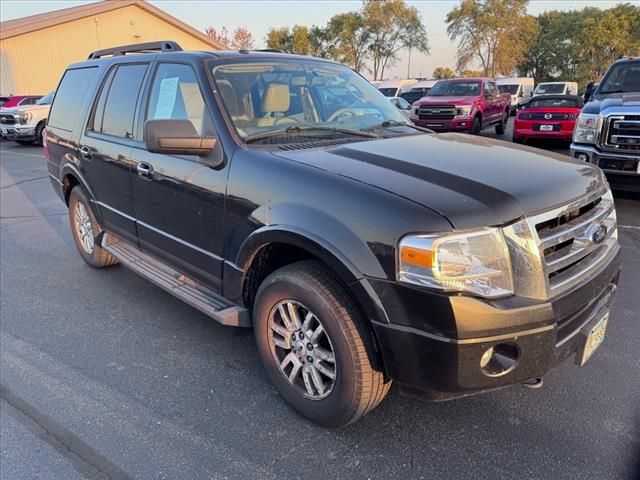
409,65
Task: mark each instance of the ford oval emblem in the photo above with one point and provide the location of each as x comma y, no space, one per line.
435,111
596,233
548,116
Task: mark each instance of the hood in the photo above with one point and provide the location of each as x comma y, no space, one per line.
26,108
447,100
618,100
472,181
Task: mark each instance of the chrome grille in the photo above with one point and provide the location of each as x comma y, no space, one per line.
555,250
622,133
428,112
7,119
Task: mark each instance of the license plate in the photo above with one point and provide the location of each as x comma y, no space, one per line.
434,124
546,128
593,340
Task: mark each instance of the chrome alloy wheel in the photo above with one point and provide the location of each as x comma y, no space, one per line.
84,228
302,349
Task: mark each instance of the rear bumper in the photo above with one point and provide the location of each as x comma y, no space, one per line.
455,125
623,171
441,366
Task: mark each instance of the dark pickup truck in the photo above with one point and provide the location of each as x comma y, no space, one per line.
285,193
607,132
463,105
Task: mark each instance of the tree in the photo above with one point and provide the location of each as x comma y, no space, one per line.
221,36
443,72
349,39
242,39
494,33
393,25
581,45
300,42
472,73
280,39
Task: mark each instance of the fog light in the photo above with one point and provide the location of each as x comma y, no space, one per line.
583,157
463,124
499,359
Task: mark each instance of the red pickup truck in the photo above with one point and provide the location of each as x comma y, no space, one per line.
463,105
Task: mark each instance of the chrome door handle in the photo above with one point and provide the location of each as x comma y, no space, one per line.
85,151
144,169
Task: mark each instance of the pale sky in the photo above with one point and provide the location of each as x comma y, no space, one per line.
260,15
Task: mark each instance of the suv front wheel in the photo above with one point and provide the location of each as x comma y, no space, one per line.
305,328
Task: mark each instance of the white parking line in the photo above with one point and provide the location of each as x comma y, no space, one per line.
633,227
20,153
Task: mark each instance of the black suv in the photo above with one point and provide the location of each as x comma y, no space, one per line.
286,193
607,132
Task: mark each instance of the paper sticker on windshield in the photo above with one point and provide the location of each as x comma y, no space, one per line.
166,98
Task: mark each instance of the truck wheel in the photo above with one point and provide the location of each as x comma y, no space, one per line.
39,130
305,328
500,128
476,126
85,228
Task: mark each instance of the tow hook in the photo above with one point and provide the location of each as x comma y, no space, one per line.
534,384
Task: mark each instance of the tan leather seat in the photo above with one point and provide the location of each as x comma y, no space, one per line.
275,102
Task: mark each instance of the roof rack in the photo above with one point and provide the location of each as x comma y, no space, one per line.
161,46
272,50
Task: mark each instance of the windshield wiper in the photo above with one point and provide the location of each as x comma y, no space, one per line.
612,91
393,123
308,128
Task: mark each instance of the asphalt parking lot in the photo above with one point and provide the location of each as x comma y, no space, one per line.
106,376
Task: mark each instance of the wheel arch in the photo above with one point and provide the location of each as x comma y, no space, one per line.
256,261
71,177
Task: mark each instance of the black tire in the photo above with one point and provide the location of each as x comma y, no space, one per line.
476,126
501,127
96,257
357,387
25,142
39,130
516,139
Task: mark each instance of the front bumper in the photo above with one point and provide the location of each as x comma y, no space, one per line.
454,125
22,132
623,171
437,352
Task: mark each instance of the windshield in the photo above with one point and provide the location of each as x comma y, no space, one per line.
388,92
623,77
46,100
512,89
554,102
545,88
455,88
415,94
272,96
3,100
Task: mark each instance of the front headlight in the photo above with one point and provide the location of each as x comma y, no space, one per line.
476,262
587,128
463,111
25,117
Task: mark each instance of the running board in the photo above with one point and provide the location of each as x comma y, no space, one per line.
174,282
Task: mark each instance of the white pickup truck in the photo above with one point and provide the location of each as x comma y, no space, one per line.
25,124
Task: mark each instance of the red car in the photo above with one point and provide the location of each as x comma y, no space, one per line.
547,117
18,100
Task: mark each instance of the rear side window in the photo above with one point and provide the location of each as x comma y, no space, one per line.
175,94
119,106
70,97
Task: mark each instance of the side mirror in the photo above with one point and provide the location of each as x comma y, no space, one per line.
588,91
176,137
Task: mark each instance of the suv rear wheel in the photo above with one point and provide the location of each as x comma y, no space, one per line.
85,228
305,327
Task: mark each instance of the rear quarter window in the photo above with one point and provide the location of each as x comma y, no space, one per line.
70,96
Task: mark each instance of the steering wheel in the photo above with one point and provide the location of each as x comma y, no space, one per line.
342,114
286,121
